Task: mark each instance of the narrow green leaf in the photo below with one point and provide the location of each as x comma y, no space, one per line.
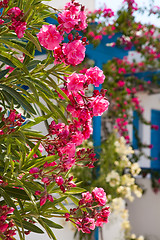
48,230
7,61
33,40
19,98
52,204
29,226
54,108
36,121
51,224
74,199
76,190
34,151
16,193
16,46
31,49
14,60
3,73
10,203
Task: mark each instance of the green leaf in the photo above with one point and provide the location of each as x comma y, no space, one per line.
14,60
3,73
7,61
29,226
16,193
31,49
33,40
36,121
74,199
54,108
19,98
10,203
34,151
16,46
76,190
51,224
48,205
48,230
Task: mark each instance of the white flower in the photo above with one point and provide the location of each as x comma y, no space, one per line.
140,238
127,180
137,191
113,178
135,169
133,236
121,147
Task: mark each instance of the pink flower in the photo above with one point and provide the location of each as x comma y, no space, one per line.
50,198
85,224
121,70
75,82
77,138
67,21
20,29
87,196
74,52
95,76
49,37
59,180
99,195
3,227
43,200
1,21
69,150
15,12
99,105
34,170
82,23
121,83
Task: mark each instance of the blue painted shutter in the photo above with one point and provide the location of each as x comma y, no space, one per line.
155,140
135,130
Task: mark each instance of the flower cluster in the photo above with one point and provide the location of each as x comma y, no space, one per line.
7,230
10,123
50,36
124,183
17,22
89,201
4,3
132,5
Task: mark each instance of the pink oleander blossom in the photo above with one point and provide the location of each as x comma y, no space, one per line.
82,22
74,52
95,76
1,21
69,150
75,82
87,197
85,224
14,12
67,21
99,105
120,83
49,37
20,28
99,196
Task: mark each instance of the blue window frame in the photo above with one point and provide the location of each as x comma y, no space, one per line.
135,130
155,140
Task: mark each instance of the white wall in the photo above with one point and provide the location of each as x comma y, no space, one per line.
144,213
89,4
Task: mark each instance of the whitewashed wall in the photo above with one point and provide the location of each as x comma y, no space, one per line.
89,4
144,213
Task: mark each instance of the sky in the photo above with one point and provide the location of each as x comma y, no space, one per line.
116,4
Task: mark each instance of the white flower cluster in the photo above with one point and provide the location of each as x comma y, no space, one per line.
125,183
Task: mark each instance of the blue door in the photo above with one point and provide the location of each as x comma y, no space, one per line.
155,140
